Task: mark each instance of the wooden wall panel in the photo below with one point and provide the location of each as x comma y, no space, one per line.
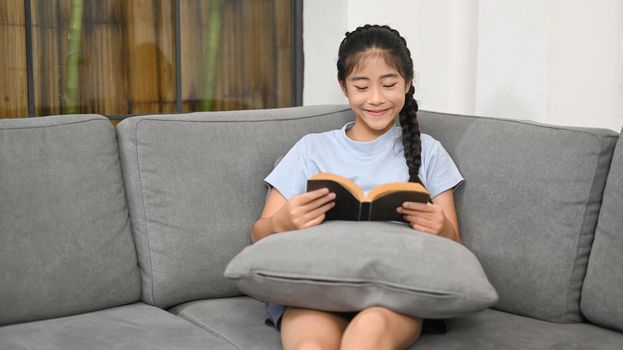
151,55
127,56
283,56
13,67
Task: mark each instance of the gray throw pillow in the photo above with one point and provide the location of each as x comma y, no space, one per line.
349,266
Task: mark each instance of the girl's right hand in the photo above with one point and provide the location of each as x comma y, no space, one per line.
305,210
279,214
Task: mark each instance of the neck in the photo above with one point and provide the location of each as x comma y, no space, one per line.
363,134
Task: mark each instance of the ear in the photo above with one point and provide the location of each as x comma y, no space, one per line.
407,87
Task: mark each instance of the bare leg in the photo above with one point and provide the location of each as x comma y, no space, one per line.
311,329
381,328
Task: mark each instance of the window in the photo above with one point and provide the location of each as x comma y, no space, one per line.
122,57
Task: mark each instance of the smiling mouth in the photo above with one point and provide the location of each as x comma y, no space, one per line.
377,112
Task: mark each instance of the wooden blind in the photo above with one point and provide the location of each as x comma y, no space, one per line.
13,84
234,54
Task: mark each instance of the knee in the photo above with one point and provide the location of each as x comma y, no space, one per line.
372,321
381,328
368,329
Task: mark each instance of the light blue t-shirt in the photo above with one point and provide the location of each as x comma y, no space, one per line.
368,164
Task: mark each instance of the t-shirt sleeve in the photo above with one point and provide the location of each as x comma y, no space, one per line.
289,177
442,173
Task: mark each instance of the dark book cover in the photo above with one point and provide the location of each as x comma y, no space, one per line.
382,208
347,206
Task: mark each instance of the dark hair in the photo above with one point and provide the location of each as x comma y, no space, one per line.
395,52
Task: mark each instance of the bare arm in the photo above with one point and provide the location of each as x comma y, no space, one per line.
437,218
305,210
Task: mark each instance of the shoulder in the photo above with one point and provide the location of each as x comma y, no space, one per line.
426,138
319,136
429,144
433,151
320,139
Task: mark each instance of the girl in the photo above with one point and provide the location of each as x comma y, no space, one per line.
375,72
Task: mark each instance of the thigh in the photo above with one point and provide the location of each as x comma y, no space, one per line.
382,327
305,326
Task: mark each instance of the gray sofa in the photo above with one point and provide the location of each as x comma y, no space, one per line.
117,238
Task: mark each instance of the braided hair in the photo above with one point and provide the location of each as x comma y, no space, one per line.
396,54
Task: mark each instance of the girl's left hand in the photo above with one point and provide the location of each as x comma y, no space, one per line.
426,217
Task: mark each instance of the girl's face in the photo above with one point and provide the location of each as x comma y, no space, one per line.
376,93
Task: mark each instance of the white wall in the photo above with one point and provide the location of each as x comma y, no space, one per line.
586,63
324,25
553,61
512,66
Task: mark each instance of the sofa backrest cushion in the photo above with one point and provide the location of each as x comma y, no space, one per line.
602,302
65,241
529,205
195,188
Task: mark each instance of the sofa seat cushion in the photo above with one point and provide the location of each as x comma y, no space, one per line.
135,326
529,205
65,241
349,266
240,320
494,330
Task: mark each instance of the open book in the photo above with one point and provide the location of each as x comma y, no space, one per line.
379,204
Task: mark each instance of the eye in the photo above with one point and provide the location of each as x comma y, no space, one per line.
361,88
389,86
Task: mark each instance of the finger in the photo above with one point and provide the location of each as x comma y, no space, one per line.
313,195
421,228
320,211
321,201
419,220
415,212
426,224
417,206
316,221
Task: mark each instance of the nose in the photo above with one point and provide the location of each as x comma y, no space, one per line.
376,96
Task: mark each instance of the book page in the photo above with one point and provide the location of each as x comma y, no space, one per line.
384,189
348,184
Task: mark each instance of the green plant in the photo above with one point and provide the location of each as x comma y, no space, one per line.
71,89
211,51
